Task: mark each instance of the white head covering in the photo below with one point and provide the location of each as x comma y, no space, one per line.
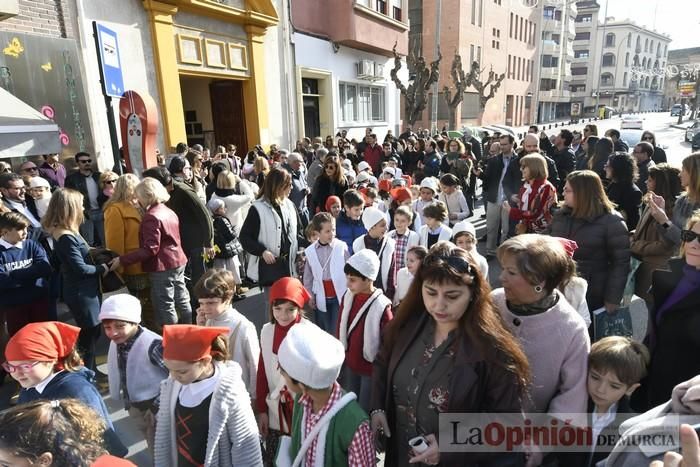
371,216
366,262
122,307
311,356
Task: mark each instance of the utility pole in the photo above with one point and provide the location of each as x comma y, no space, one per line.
600,66
438,19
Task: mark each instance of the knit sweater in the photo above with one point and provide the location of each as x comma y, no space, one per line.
232,439
556,344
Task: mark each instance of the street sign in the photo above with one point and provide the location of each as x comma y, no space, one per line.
109,60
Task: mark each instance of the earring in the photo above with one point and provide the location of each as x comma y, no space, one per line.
538,288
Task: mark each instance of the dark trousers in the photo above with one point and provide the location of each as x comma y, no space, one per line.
195,269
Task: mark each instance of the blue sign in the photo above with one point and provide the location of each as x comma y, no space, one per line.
108,45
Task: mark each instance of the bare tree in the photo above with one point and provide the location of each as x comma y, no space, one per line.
416,93
461,81
493,82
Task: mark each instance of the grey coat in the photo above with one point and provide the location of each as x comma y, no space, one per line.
603,255
233,432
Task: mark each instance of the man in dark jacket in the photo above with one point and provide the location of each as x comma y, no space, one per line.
561,153
300,187
196,228
501,180
87,181
372,154
619,144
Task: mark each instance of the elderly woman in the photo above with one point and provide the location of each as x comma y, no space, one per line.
588,217
446,350
269,233
536,198
332,182
160,254
122,226
674,339
621,170
647,244
670,227
553,335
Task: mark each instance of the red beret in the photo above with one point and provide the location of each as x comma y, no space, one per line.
330,201
42,342
384,185
289,288
111,461
189,343
401,194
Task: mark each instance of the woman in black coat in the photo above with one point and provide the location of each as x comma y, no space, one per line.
331,182
659,156
588,217
674,337
621,170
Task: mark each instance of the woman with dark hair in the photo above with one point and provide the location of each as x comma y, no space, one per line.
622,190
589,151
647,244
673,338
446,350
659,156
196,161
589,218
269,232
331,182
604,148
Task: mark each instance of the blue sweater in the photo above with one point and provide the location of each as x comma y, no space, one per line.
348,230
23,274
78,385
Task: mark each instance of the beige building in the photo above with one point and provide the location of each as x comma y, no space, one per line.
683,65
501,35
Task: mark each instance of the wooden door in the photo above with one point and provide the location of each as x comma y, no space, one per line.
228,114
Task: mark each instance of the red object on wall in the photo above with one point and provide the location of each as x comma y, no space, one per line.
138,120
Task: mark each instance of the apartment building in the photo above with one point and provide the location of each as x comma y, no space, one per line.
617,63
342,60
501,35
683,66
556,57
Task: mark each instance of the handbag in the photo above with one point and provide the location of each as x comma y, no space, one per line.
112,281
269,273
283,458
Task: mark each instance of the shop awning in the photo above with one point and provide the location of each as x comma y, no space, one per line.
23,130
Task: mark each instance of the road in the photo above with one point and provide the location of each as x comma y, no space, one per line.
255,309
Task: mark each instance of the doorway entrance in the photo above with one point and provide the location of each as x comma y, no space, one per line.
312,107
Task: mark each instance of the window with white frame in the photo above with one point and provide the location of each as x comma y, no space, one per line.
361,103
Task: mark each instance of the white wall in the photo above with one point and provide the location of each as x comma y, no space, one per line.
130,23
317,53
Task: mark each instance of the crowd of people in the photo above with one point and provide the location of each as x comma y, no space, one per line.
380,312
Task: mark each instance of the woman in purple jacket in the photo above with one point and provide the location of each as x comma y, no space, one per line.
161,254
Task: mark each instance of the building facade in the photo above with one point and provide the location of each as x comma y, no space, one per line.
502,35
342,57
683,66
556,57
617,63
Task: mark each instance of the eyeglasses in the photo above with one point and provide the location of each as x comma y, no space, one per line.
109,182
85,161
458,263
688,236
23,367
647,138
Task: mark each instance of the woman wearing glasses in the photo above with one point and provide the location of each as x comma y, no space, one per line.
659,154
674,339
107,181
331,182
446,350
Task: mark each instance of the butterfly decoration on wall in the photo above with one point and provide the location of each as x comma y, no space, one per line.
14,48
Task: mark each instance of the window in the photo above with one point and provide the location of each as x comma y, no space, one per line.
582,36
495,44
549,61
497,2
627,59
515,33
624,79
510,26
607,79
527,70
396,12
608,60
359,103
629,40
517,75
584,18
521,27
509,66
579,71
547,84
471,54
478,53
577,88
556,38
581,54
610,40
549,12
381,6
646,44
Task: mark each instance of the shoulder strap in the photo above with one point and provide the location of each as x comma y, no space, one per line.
325,420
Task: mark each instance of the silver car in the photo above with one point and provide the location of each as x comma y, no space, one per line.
692,131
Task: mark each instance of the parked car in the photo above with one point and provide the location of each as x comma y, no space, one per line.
692,131
677,109
695,143
631,136
630,123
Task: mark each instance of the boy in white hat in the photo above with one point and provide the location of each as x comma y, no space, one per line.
364,311
464,236
377,240
328,426
134,361
428,192
364,167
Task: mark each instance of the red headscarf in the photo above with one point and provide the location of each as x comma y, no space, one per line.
330,201
384,185
189,343
42,342
569,245
289,288
401,194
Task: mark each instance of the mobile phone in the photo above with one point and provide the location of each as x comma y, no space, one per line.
418,444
